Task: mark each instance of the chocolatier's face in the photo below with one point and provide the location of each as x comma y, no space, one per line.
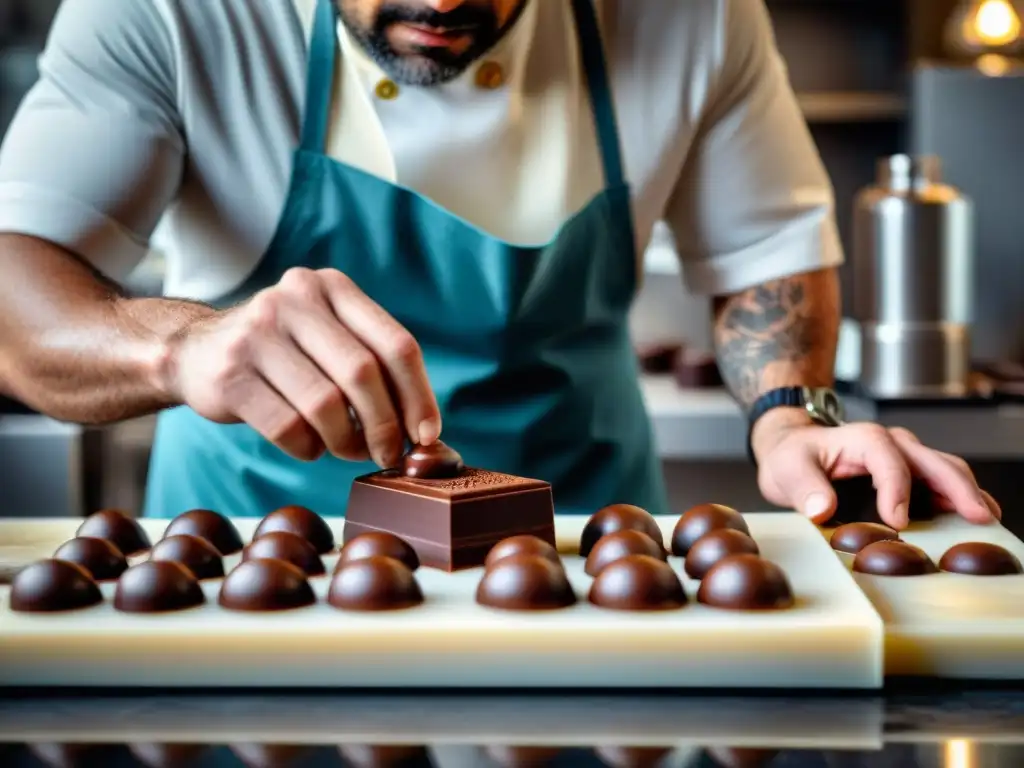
425,42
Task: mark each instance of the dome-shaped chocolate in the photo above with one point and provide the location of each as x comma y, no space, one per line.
525,583
374,584
272,755
48,586
978,558
618,545
618,517
198,555
385,756
379,544
99,557
697,521
79,755
209,525
265,585
157,586
632,757
522,757
117,527
745,583
168,755
714,546
302,522
290,547
853,537
893,558
522,545
432,462
637,583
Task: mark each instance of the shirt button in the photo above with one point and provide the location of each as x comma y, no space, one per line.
386,89
490,76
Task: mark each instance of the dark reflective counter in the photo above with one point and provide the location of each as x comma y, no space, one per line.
913,727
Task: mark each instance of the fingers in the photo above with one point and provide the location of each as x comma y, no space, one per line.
267,412
884,461
394,348
352,370
993,505
797,473
312,395
950,477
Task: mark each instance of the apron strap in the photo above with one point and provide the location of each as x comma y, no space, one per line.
320,77
592,53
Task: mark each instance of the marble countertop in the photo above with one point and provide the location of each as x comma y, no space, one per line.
952,727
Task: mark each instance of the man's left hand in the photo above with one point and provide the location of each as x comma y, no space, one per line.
796,463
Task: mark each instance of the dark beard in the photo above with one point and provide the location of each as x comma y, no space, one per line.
430,66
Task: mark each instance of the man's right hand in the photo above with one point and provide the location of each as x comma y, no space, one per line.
294,359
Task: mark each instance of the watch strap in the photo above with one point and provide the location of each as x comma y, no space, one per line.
783,397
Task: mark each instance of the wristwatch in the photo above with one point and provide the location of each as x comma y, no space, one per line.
821,403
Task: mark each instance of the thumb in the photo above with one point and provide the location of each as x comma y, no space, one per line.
803,485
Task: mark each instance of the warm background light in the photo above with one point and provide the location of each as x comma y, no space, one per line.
984,26
996,22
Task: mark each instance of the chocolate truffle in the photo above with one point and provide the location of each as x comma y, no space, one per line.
525,583
618,545
379,544
432,462
522,545
714,546
522,757
265,585
658,357
637,583
697,521
893,558
853,537
168,755
290,547
734,757
978,558
157,586
745,583
375,583
632,757
80,755
380,756
118,528
618,517
47,586
98,556
271,755
694,369
198,555
302,522
209,525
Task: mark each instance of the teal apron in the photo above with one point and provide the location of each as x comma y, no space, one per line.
527,348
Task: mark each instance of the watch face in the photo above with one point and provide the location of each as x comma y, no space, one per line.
826,405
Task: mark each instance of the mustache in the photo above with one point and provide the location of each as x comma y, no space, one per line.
465,16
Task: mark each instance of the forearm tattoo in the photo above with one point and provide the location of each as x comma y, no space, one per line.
779,334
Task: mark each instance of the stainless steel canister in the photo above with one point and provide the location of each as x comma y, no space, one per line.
913,281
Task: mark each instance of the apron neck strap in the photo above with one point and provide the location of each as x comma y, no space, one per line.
320,79
596,72
323,45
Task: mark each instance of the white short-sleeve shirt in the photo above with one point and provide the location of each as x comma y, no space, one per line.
180,117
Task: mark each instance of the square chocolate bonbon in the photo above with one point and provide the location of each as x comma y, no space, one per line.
453,522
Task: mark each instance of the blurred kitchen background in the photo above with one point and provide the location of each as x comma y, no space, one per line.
928,271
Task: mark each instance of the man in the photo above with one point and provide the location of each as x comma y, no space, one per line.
382,218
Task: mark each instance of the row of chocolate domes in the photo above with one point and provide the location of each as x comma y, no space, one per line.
880,551
716,546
